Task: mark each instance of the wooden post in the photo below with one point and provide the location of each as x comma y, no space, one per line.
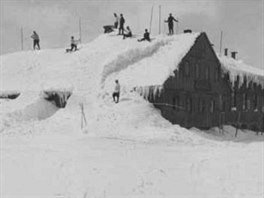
221,40
164,28
80,29
160,19
22,38
151,16
221,122
177,26
83,117
207,120
259,125
238,122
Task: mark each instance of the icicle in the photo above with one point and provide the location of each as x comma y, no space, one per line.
239,69
157,91
150,92
146,92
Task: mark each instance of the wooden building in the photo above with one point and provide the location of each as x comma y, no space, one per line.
203,94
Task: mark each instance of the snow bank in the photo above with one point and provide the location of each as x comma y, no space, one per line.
228,133
239,68
26,108
39,109
9,94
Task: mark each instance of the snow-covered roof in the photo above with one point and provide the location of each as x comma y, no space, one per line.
153,64
239,68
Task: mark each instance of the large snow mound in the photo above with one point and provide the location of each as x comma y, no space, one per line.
85,72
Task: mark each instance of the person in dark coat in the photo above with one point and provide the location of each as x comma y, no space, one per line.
170,24
36,40
145,36
128,33
121,24
74,44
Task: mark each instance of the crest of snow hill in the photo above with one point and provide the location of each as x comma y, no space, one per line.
183,77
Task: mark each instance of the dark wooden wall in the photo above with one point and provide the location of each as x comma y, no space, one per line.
201,94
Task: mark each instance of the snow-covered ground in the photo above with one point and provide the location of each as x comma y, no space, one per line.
125,149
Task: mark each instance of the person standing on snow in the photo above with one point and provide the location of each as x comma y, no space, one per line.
116,21
170,23
145,37
36,40
116,93
121,25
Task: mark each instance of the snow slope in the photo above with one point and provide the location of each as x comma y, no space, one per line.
125,149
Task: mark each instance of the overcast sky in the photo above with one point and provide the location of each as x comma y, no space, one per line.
56,20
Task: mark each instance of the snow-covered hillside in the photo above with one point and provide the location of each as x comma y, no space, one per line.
125,149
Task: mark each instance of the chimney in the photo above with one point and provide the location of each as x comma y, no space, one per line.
226,51
233,55
187,31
